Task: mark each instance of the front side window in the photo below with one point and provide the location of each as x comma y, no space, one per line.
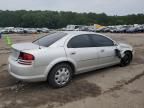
100,41
80,41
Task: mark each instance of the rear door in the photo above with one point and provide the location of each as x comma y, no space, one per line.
80,49
106,49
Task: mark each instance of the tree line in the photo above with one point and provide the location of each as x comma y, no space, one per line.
55,19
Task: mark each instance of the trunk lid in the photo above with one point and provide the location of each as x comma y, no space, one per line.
21,47
25,46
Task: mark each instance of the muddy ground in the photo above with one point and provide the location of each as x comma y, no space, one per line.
113,87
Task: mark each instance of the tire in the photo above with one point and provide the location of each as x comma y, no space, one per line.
126,60
60,75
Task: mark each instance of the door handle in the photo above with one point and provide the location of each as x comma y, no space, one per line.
102,50
73,53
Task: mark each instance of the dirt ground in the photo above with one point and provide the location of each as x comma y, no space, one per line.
113,87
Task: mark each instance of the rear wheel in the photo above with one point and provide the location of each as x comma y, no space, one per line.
60,75
126,60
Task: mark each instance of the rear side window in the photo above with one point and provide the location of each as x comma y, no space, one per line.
48,40
100,41
80,41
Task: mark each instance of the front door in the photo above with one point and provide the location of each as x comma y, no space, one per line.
106,49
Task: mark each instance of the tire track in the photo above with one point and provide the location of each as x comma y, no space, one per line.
131,80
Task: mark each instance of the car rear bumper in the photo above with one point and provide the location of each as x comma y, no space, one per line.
26,72
28,79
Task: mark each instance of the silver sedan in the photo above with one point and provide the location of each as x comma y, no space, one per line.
58,56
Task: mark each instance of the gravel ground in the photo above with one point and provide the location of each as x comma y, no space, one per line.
113,87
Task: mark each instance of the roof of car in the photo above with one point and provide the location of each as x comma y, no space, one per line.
78,32
74,33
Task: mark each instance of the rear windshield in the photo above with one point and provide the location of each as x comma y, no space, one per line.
48,40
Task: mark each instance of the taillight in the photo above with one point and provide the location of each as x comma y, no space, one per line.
25,58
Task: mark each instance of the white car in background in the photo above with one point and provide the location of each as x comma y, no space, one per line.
58,56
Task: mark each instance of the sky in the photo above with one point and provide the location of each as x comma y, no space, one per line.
110,7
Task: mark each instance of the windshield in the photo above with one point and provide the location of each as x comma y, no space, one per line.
48,40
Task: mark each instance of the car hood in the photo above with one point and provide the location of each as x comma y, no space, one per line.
25,46
123,45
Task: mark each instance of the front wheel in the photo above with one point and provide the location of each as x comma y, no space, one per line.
60,75
126,60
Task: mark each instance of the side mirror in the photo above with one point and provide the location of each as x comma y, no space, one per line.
115,44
